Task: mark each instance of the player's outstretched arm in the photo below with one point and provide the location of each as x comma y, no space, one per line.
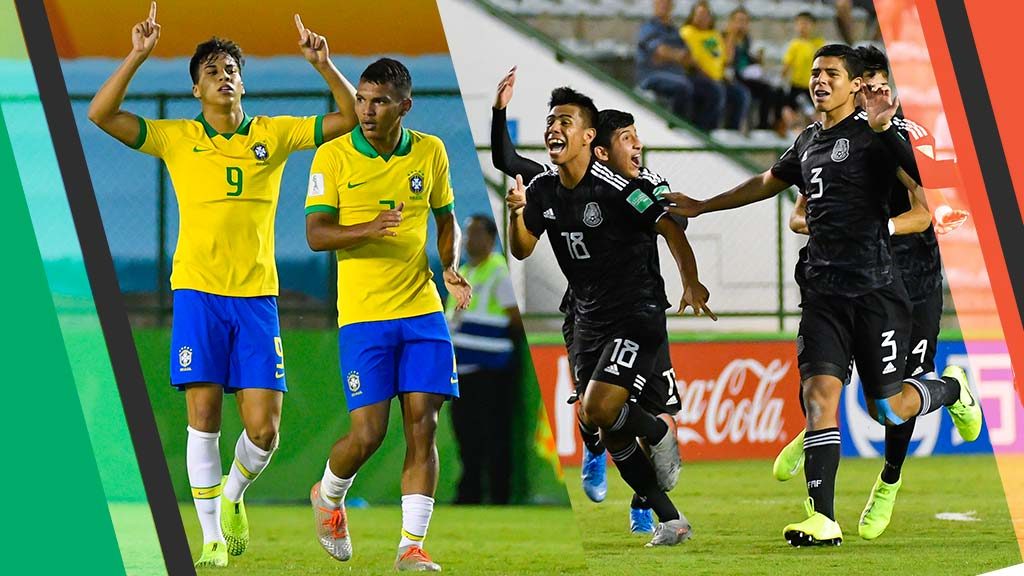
105,108
314,48
798,219
757,188
449,238
918,217
521,241
695,294
323,232
503,152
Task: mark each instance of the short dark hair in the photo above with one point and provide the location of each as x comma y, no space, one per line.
851,60
806,14
388,71
565,96
209,50
874,60
608,121
488,223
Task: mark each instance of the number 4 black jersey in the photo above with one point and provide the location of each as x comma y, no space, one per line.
603,236
846,174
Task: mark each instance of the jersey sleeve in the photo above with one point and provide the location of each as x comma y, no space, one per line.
442,196
643,199
299,133
533,213
787,167
155,135
503,152
322,191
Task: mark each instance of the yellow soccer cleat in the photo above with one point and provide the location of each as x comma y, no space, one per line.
878,511
965,412
215,555
790,460
816,530
234,523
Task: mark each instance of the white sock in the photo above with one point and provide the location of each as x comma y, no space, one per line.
250,460
416,511
334,489
202,455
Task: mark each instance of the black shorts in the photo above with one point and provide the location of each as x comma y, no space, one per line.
625,355
924,335
660,395
872,329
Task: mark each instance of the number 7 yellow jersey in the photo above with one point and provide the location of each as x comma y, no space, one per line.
227,186
386,278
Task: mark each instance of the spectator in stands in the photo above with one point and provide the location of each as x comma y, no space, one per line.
664,66
485,336
748,70
796,66
708,48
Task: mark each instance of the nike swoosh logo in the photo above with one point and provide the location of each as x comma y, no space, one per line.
201,493
278,374
351,185
198,149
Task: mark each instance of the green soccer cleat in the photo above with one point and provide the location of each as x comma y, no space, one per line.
965,412
878,510
817,530
790,460
215,555
234,523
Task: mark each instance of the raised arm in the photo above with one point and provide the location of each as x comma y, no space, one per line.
503,152
449,238
695,294
314,48
881,107
105,108
757,188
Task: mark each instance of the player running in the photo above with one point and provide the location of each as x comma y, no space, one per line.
618,147
369,197
603,230
916,256
226,169
853,306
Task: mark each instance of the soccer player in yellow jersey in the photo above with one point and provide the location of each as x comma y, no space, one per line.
369,198
226,169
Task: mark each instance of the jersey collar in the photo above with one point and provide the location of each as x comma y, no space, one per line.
363,146
242,129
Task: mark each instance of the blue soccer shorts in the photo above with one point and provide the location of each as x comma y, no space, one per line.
380,360
226,340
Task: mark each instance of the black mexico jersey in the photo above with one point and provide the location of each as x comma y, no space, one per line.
603,236
846,174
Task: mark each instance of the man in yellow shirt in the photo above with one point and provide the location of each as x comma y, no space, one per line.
369,197
226,170
796,66
710,55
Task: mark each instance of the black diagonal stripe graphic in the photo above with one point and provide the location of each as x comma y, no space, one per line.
985,133
106,293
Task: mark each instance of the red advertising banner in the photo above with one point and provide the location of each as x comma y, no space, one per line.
738,399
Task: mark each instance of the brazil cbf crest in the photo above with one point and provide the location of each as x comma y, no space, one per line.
592,215
416,182
184,359
260,152
841,151
353,383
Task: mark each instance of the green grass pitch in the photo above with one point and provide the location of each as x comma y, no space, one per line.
738,511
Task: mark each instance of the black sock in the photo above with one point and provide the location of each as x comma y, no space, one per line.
638,472
935,393
591,438
821,463
636,421
897,444
638,503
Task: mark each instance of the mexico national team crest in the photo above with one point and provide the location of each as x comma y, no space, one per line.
353,383
592,215
185,359
841,151
260,152
416,182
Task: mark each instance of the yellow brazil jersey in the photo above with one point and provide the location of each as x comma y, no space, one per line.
227,187
707,48
386,278
799,57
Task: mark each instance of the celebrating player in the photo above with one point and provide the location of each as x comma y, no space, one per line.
226,170
392,335
617,146
603,235
916,256
853,305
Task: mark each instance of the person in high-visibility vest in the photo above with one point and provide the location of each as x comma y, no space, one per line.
484,336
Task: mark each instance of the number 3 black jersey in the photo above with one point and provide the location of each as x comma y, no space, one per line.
846,174
603,236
